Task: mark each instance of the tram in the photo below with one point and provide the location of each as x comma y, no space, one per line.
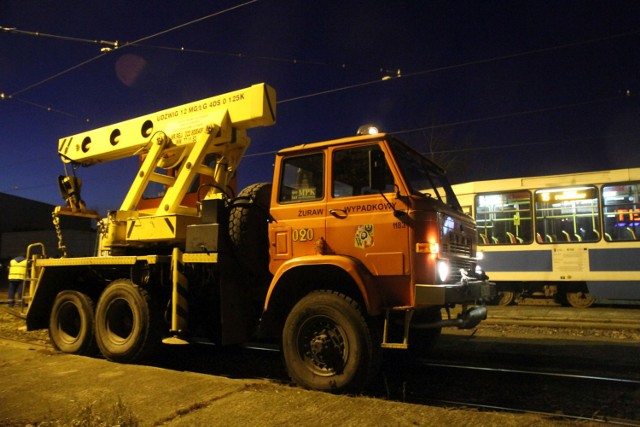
572,238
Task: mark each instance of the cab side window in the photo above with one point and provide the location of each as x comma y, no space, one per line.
352,171
302,179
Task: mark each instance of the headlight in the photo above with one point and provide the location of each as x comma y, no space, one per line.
443,270
479,255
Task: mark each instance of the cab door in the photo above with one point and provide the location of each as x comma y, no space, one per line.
298,208
359,220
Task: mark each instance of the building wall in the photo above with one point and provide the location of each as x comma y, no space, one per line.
20,214
25,221
77,242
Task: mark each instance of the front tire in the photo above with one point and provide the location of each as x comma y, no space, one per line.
127,329
328,345
71,323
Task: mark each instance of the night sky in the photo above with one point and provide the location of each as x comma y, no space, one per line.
493,89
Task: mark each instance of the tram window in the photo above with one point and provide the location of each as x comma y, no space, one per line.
504,218
567,215
621,212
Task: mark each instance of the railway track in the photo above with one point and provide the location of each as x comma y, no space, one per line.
632,383
551,393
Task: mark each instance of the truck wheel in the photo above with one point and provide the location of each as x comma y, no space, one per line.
126,326
248,227
328,345
71,323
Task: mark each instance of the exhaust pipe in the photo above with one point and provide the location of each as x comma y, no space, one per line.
472,317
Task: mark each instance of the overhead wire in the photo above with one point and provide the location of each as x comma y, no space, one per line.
51,109
238,55
115,45
461,65
14,30
194,21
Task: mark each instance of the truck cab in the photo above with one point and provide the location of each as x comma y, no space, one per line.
374,219
378,204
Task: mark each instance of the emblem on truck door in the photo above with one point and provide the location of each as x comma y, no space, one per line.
364,236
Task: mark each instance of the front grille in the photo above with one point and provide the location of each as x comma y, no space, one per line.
456,243
457,249
455,264
456,239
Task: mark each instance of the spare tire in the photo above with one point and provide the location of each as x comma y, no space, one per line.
249,227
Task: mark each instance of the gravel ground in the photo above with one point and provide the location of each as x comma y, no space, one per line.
12,326
557,333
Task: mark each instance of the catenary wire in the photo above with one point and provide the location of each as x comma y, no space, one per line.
13,30
149,37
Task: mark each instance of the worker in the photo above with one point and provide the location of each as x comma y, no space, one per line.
17,274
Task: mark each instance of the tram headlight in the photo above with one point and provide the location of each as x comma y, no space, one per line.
443,270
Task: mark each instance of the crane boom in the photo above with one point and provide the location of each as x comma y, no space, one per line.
250,107
206,138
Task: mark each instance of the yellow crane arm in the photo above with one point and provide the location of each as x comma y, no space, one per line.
178,138
183,125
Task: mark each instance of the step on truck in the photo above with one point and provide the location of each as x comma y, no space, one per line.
356,246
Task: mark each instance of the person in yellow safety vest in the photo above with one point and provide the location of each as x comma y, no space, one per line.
17,274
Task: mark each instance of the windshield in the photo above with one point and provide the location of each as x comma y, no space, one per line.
424,177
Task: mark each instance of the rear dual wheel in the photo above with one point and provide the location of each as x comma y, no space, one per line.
126,325
71,323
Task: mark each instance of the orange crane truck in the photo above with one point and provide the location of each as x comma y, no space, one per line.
358,244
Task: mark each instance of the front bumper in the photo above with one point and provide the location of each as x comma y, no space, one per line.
466,291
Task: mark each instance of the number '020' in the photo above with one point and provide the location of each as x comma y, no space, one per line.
302,235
